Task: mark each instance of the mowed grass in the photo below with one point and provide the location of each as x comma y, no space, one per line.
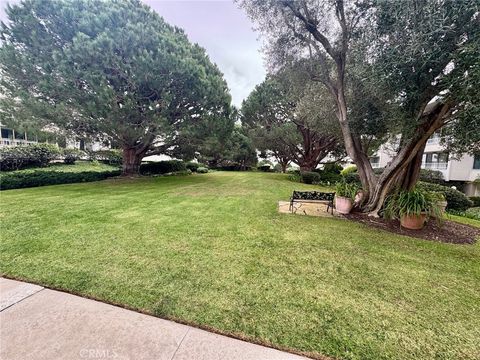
212,250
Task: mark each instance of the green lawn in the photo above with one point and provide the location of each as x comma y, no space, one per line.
212,250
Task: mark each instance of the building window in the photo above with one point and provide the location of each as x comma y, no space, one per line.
375,161
435,161
476,162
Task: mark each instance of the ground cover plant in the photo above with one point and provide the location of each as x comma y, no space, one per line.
212,250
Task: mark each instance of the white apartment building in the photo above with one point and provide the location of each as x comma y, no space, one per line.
464,168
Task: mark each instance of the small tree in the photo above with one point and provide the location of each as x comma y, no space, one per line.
113,69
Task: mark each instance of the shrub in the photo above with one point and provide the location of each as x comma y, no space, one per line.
39,177
330,174
352,178
162,167
475,200
202,170
456,200
431,176
472,213
193,166
414,202
310,177
72,155
21,157
111,156
348,170
345,189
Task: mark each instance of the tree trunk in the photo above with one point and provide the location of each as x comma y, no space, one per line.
404,169
284,166
131,162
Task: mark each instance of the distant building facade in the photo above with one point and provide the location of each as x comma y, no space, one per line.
464,169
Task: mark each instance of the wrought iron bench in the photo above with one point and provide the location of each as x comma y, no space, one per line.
313,196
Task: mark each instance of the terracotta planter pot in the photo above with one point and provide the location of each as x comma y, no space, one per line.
343,205
413,222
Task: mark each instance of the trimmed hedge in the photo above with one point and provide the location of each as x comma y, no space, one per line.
202,170
22,157
456,200
162,167
34,178
431,176
310,177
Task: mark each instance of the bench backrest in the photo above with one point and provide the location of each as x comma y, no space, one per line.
313,195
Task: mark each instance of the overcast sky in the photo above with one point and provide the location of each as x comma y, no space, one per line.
222,29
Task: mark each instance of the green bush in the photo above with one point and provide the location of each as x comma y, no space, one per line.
40,177
471,213
22,157
348,170
456,200
162,167
347,190
72,155
330,174
475,200
310,177
202,170
111,156
414,202
431,176
192,166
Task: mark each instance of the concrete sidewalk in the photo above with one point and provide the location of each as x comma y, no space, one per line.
38,323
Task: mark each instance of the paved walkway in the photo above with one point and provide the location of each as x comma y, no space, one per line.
38,323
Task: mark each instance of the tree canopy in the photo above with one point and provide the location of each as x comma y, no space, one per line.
290,120
399,71
112,69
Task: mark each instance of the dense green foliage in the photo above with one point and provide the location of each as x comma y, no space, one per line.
475,201
309,177
21,157
413,202
56,174
345,189
470,213
113,69
111,156
202,170
456,200
72,155
162,167
290,121
431,176
212,250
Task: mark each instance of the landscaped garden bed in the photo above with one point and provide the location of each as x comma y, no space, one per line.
444,231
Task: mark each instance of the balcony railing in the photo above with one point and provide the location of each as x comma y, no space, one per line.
15,142
435,165
375,165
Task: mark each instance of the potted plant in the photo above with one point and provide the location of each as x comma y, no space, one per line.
412,208
344,197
